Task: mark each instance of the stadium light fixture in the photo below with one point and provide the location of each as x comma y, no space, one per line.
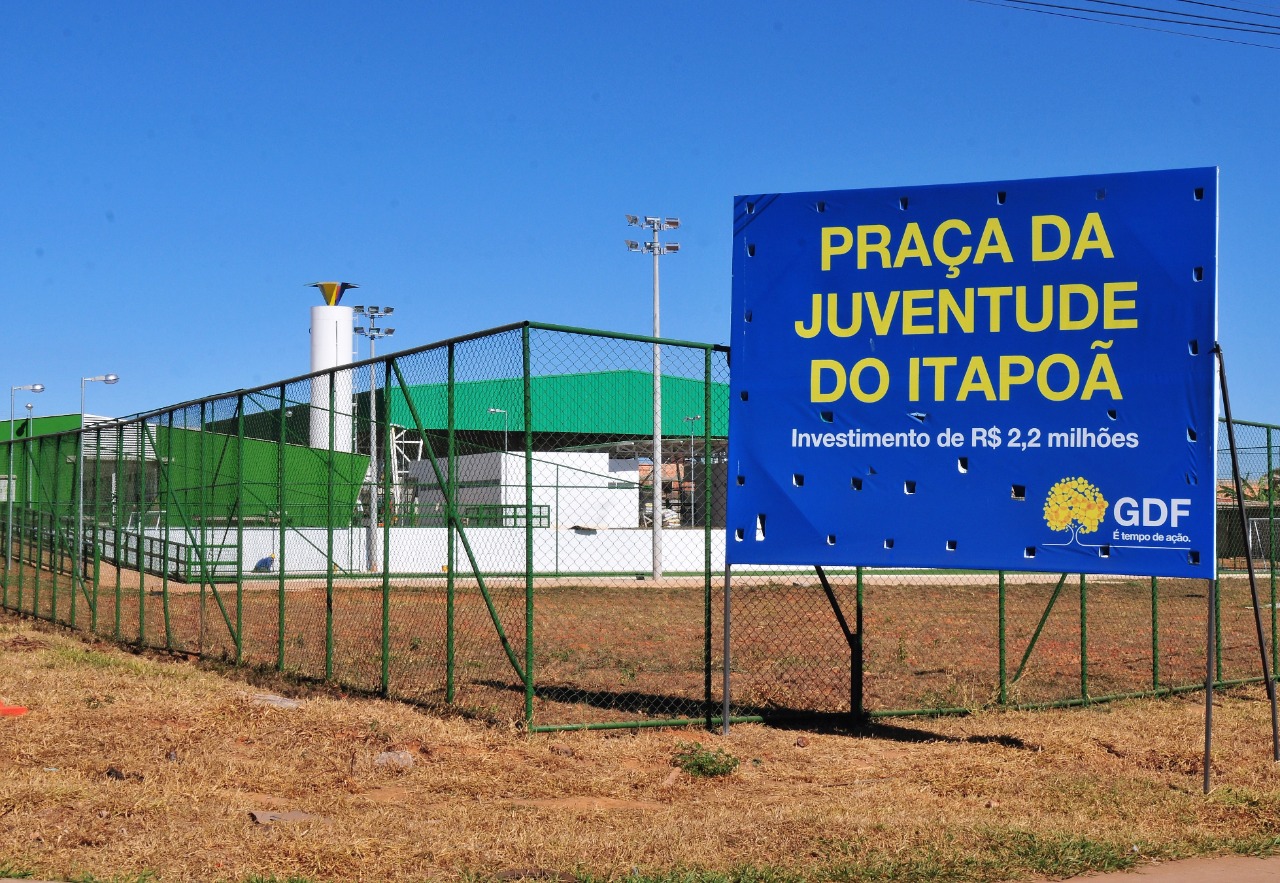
656,248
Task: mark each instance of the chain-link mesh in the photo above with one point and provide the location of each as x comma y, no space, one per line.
492,525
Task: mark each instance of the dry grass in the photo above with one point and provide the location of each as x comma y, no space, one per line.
129,767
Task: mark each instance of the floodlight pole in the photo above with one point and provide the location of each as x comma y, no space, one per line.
78,580
10,479
373,332
657,249
693,493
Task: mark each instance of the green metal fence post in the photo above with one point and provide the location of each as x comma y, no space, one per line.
1155,633
142,536
164,492
26,543
528,526
202,520
280,513
24,515
40,531
1000,625
120,524
385,514
97,534
77,532
239,636
328,578
1084,639
450,524
21,477
1217,631
1271,552
706,535
57,538
859,692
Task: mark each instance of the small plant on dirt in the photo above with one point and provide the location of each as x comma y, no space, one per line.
702,762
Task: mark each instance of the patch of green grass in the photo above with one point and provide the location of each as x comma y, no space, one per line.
1260,845
702,762
140,877
87,658
1005,855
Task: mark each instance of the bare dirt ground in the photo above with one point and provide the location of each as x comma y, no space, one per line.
132,767
613,649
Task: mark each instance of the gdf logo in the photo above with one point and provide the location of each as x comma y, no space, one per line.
1151,511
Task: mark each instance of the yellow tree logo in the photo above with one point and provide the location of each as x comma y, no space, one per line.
1076,505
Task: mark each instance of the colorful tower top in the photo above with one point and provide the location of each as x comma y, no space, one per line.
332,291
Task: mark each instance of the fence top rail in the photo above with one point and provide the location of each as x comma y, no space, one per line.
1255,425
144,416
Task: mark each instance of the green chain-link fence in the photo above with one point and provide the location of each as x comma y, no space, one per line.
471,525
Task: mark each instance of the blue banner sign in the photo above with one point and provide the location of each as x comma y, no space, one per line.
1011,375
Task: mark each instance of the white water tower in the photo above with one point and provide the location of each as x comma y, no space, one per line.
332,342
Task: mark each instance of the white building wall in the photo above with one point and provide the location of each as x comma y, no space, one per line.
424,550
577,489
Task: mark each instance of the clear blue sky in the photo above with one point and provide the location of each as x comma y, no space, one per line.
175,173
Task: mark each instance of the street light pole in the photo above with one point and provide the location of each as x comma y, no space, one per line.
373,332
693,491
11,479
656,248
505,446
79,560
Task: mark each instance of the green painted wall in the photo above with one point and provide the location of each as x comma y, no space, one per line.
189,475
597,403
24,428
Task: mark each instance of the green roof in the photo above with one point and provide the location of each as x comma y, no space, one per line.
24,428
598,403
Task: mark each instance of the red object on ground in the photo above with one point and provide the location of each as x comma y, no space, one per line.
12,710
